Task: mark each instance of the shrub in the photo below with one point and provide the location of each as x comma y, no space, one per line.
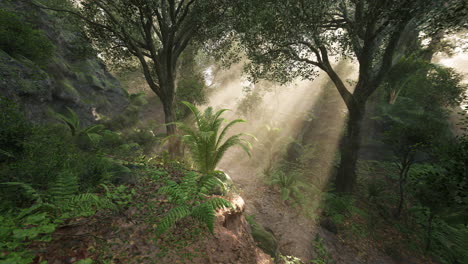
19,38
205,142
190,198
13,128
289,185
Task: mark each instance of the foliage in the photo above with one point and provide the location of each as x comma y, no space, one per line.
429,84
166,28
190,199
35,224
121,195
205,142
323,255
17,232
285,40
191,85
13,128
90,134
19,38
251,101
190,89
290,260
289,185
415,116
339,207
442,188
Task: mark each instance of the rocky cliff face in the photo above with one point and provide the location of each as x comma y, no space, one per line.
73,77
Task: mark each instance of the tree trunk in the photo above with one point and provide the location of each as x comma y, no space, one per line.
170,117
349,148
405,167
171,129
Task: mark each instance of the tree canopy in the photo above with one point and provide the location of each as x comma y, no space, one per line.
289,39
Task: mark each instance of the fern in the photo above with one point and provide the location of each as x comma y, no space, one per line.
190,198
27,190
171,218
65,185
63,198
206,142
90,133
289,185
6,154
72,120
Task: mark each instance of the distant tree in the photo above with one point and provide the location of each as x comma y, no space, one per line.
155,32
191,85
289,39
415,113
443,189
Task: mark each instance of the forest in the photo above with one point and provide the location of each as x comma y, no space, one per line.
234,131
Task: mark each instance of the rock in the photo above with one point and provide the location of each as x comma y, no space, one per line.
329,225
227,181
232,241
71,78
265,239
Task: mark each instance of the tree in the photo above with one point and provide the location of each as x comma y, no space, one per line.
414,115
289,39
155,33
442,188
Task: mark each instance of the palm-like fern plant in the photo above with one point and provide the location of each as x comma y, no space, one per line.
73,122
205,142
289,185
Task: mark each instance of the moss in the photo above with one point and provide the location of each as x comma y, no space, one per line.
29,87
19,38
68,89
265,239
96,82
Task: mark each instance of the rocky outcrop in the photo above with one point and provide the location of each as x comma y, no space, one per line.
233,242
73,77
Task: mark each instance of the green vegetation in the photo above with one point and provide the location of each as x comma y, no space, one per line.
190,198
381,170
19,38
49,178
205,142
323,255
289,185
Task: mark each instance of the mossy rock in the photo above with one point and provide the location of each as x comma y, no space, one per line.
67,90
227,182
264,238
120,173
138,99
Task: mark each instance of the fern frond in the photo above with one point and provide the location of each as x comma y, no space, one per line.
205,213
94,129
84,204
208,183
170,219
174,192
218,203
72,121
194,111
226,128
64,186
6,153
28,190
